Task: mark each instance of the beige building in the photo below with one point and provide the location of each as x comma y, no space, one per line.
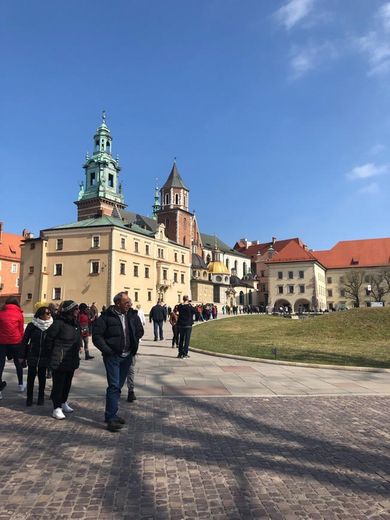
107,250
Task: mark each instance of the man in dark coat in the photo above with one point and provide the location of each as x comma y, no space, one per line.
158,314
116,333
184,326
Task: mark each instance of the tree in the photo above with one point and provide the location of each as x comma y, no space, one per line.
353,282
380,284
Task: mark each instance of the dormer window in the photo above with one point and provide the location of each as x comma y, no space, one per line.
354,261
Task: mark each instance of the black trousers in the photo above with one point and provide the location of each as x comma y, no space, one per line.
31,375
62,381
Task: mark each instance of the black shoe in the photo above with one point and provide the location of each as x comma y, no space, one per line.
29,401
161,339
114,426
118,419
179,356
41,401
155,339
3,384
131,397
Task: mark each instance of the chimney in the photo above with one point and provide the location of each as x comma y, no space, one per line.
273,240
1,232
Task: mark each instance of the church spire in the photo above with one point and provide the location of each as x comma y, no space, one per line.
101,190
156,206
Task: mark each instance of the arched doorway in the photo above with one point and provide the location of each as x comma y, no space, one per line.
302,305
241,298
281,305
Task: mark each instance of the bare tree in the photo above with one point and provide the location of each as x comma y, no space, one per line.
353,282
379,285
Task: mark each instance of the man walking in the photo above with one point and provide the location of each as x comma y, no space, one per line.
184,326
158,315
116,333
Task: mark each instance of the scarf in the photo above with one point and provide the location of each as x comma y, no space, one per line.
42,324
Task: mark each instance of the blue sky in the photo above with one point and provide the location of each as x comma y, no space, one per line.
278,111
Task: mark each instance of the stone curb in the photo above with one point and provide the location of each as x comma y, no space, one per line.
289,363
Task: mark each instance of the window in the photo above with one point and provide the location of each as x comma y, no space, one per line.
14,268
182,278
262,274
182,259
123,243
95,267
290,275
110,179
291,289
136,296
227,262
31,269
341,279
167,222
175,257
342,293
280,275
329,279
57,269
178,298
147,249
301,289
149,296
176,199
135,270
280,289
57,293
29,296
96,241
32,246
136,247
122,268
175,277
93,178
147,271
166,198
160,252
301,274
330,292
165,274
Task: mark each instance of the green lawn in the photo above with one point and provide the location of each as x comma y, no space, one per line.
358,337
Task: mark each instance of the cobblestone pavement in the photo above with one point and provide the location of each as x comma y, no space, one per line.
208,438
221,458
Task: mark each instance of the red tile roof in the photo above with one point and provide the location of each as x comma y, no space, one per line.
10,246
293,251
356,253
253,250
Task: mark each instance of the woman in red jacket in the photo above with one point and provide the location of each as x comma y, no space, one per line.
11,334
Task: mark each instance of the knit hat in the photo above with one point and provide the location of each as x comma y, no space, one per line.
40,304
68,305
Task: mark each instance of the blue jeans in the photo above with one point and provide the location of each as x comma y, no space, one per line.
117,368
184,340
158,329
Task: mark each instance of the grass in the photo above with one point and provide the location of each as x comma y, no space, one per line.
358,337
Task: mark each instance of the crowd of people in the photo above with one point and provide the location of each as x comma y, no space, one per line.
50,345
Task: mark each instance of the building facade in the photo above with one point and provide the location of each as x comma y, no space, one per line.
10,268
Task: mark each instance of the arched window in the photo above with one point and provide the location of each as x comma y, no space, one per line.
96,145
167,198
241,298
177,199
108,146
250,297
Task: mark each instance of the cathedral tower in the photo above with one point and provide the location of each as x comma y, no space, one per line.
174,211
101,191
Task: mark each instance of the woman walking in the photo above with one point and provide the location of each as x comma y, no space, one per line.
36,353
85,328
11,334
63,340
173,317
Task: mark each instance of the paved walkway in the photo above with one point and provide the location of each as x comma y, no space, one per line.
208,437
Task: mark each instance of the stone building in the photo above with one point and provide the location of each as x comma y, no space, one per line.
10,263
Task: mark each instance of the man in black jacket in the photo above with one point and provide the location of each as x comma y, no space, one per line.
158,314
184,326
116,333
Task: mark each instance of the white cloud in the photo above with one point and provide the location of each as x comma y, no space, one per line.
310,57
367,170
293,12
370,188
375,45
377,149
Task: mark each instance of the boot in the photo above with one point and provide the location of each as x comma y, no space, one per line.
29,400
